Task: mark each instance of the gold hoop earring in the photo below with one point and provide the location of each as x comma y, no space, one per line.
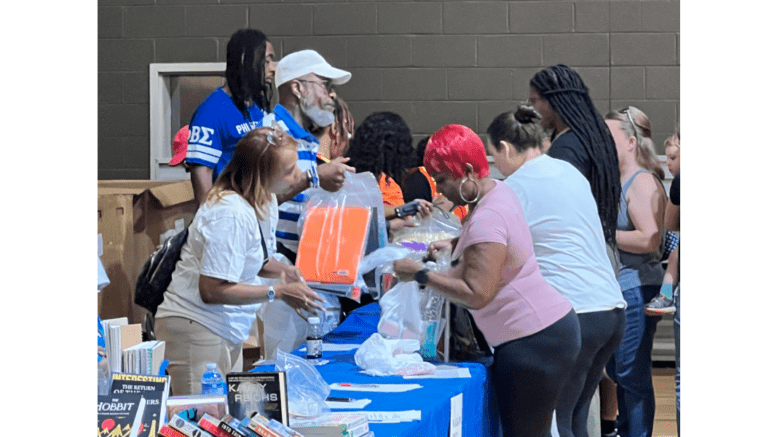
477,193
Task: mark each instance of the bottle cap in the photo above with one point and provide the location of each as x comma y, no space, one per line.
211,366
314,320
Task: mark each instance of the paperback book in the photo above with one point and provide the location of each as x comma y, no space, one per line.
119,415
154,390
193,407
333,425
261,392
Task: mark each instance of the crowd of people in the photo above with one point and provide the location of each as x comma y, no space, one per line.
559,264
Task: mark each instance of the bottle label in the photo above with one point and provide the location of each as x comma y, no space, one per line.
315,348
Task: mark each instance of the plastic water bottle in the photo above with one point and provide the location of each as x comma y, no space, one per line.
213,381
314,344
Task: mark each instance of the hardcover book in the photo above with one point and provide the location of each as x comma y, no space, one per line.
154,389
261,392
119,415
211,424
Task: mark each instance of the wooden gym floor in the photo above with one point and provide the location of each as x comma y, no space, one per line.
664,424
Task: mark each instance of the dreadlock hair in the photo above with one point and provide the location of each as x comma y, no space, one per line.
563,88
636,124
521,129
382,145
245,70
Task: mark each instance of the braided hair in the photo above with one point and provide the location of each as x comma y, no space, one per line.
521,128
566,93
382,144
245,70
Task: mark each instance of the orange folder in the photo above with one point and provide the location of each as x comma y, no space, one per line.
332,243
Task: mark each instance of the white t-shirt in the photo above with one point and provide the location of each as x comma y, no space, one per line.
224,242
567,233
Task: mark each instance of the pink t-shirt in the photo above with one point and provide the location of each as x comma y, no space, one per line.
525,303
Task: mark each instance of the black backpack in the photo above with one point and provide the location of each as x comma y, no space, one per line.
157,272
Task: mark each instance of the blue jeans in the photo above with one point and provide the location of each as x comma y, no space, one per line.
677,354
631,366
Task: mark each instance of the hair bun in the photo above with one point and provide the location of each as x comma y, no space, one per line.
526,114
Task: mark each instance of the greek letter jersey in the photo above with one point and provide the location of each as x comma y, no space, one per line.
215,129
290,211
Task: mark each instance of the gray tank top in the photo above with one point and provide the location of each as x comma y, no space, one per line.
637,269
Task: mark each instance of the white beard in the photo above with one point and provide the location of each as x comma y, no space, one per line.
319,117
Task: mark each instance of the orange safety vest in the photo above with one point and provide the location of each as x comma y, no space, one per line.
392,192
460,211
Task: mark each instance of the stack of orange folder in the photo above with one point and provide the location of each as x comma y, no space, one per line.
332,244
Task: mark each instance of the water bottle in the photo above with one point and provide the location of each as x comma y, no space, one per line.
315,344
213,381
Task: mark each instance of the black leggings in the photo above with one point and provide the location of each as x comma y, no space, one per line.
529,374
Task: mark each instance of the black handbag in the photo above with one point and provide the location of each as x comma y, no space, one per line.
157,272
467,342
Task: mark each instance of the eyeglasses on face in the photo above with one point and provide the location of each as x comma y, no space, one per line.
327,84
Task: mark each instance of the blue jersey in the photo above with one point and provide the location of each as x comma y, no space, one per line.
215,129
287,232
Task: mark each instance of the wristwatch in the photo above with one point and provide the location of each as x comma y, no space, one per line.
271,293
422,277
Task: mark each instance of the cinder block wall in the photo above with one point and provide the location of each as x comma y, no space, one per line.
432,62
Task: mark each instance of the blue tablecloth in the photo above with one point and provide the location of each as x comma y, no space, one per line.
433,399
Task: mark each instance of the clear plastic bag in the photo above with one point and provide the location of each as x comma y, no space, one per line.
379,356
337,230
400,312
307,390
440,225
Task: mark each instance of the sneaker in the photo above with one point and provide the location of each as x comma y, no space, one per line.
659,306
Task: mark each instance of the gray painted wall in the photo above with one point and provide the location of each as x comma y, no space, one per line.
432,62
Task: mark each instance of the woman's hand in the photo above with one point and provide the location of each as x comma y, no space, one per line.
425,208
298,296
291,274
405,269
440,246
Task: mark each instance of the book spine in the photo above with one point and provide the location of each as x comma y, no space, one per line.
229,430
262,430
212,428
187,428
167,431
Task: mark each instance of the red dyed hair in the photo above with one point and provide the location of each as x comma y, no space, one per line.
451,148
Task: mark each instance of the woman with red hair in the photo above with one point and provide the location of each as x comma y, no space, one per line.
532,327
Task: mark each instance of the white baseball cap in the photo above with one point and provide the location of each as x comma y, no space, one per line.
300,63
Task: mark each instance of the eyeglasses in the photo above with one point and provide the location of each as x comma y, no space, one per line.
631,120
328,85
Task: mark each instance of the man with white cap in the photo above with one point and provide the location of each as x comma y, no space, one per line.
305,83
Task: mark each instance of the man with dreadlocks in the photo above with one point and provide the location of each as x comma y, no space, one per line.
580,137
232,110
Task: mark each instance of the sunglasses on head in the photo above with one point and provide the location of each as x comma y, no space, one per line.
631,120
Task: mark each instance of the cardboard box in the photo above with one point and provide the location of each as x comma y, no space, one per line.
131,217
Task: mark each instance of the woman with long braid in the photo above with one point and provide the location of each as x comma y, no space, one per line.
581,138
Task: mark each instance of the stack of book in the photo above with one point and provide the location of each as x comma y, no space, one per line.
144,358
333,425
227,426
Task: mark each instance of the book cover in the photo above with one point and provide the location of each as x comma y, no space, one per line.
154,389
187,428
262,392
119,415
273,425
192,407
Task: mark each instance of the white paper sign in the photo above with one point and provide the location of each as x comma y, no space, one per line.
355,405
444,372
457,402
385,388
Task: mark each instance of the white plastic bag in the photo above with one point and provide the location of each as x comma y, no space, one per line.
379,356
400,312
307,390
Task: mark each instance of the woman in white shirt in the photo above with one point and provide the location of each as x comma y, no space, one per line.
570,247
211,303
